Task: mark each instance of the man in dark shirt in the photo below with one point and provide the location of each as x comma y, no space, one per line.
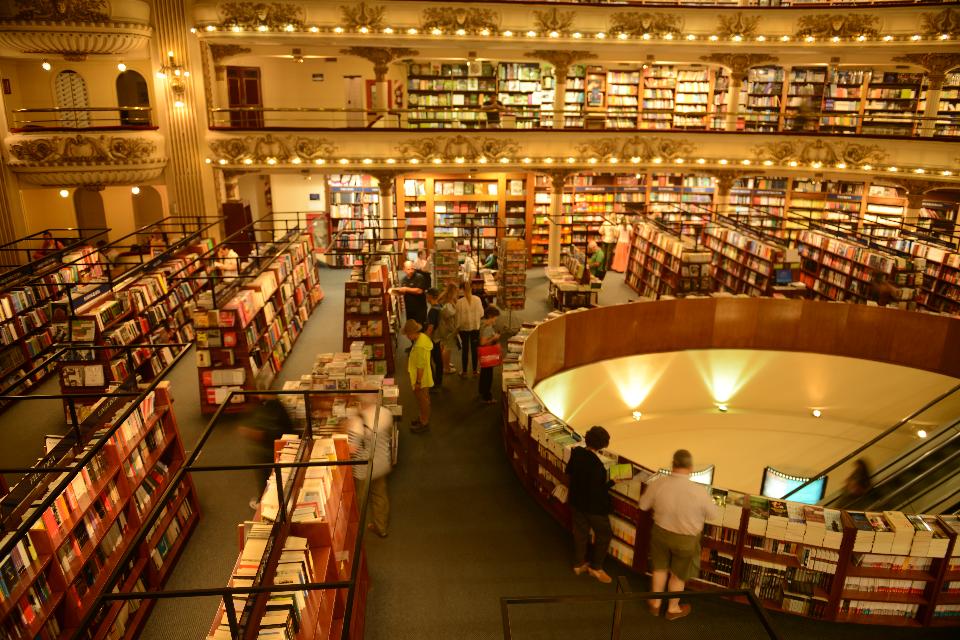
430,328
590,503
413,288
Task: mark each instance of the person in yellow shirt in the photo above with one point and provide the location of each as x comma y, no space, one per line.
421,375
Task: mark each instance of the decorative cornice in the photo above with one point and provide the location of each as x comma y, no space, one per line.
63,10
561,59
636,23
829,25
220,52
554,20
471,20
940,23
250,15
645,148
459,146
737,24
381,57
936,64
918,186
74,40
739,63
262,148
826,153
81,149
361,15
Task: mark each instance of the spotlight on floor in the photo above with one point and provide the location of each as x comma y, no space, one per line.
637,415
816,413
722,407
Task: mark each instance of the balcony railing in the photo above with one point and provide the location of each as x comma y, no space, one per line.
85,118
535,118
727,3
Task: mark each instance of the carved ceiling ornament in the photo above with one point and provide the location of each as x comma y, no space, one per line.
250,15
63,10
361,14
739,63
80,149
260,148
942,22
560,59
469,19
459,146
220,52
829,25
936,64
737,25
820,151
554,20
644,147
381,57
919,186
637,24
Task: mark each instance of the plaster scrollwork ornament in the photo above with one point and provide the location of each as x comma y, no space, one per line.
361,14
561,59
250,15
63,10
643,147
832,25
940,23
739,63
470,19
737,25
554,20
220,52
936,64
82,149
458,146
637,24
261,148
826,153
381,57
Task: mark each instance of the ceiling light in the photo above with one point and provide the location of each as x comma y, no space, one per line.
657,160
784,38
713,38
701,161
767,163
761,38
919,171
613,160
548,160
295,160
592,160
809,39
737,38
841,165
531,34
343,161
207,161
577,35
388,30
236,28
915,37
46,66
504,160
678,160
861,38
722,407
64,193
264,27
412,31
526,161
484,31
222,161
319,161
210,27
135,191
600,35
178,104
459,160
290,28
461,32
414,161
867,167
745,162
922,433
835,39
887,38
437,161
436,31
635,159
367,161
723,161
637,415
391,161
624,36
271,161
690,36
554,34
121,67
816,164
946,173
482,159
248,161
892,169
338,30
944,36
571,160
792,163
507,33
668,36
816,413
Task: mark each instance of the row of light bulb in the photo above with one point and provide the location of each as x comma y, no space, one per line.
65,193
577,35
593,161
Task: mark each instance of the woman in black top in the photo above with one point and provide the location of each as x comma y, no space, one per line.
590,503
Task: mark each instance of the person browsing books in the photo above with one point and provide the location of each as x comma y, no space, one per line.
228,262
609,234
597,261
488,337
49,245
413,287
680,508
589,499
469,313
421,375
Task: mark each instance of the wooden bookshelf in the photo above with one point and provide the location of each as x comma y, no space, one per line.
743,263
354,201
449,95
682,201
949,106
663,264
413,211
512,274
573,99
79,539
366,318
519,89
597,197
765,97
760,202
243,343
623,104
659,86
804,98
891,99
835,204
843,100
883,212
692,98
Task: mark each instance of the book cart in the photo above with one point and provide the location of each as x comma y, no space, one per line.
884,568
77,519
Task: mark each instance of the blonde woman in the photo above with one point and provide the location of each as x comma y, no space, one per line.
469,313
447,330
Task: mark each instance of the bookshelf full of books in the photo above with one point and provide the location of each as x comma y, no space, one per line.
681,201
573,99
597,197
940,289
623,105
355,215
843,100
414,206
366,319
759,202
87,521
242,344
949,107
804,98
659,85
662,263
765,91
519,90
744,263
512,274
450,95
539,236
692,98
883,214
467,212
833,204
891,103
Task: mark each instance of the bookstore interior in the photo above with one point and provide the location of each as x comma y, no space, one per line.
731,225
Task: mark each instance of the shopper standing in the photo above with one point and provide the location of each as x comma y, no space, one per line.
488,338
469,313
371,435
680,507
448,325
622,253
432,329
421,376
413,287
589,499
609,233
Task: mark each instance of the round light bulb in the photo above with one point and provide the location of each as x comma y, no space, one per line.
922,433
46,66
135,191
722,407
64,193
121,67
816,413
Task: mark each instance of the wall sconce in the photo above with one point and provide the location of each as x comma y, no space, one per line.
174,73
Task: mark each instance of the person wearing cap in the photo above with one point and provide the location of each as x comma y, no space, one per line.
680,508
421,374
589,499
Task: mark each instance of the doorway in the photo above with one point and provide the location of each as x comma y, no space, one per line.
71,91
356,118
88,207
132,92
243,91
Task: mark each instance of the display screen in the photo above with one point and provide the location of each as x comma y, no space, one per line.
783,276
776,485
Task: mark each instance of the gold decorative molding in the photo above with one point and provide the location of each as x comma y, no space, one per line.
637,24
561,59
385,181
250,15
827,153
469,148
469,19
936,64
829,25
360,14
103,149
943,22
63,10
726,178
220,52
737,24
261,148
739,63
645,148
918,186
554,20
558,177
381,57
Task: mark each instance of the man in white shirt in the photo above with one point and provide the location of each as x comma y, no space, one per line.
370,432
609,234
228,262
680,507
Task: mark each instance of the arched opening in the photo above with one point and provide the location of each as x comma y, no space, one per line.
88,207
147,208
71,92
132,92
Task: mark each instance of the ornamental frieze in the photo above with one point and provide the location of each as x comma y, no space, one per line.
737,24
827,153
554,20
643,147
458,146
63,10
470,19
79,149
637,23
943,22
261,148
361,15
840,26
250,15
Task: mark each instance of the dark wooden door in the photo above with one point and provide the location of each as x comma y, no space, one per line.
243,90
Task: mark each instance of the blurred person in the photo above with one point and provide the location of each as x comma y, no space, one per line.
488,338
447,329
858,482
228,262
266,424
421,375
370,432
491,261
622,251
596,262
589,498
469,313
48,245
609,233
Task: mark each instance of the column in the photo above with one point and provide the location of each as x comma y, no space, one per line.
559,96
914,203
561,61
12,221
737,77
725,182
932,105
557,180
388,208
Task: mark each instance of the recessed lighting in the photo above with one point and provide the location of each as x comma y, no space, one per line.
841,165
657,160
792,163
919,170
713,38
892,169
461,32
504,160
436,31
46,66
271,161
436,161
571,160
915,37
207,160
367,161
613,160
388,30
809,39
459,160
364,29
835,39
391,161
484,31
295,160
678,160
482,159
861,38
507,33
745,163
264,27
944,36
121,67
548,160
722,407
784,38
592,160
236,28
316,29
768,163
867,167
691,36
637,415
723,161
526,161
816,164
248,161
761,38
577,35
319,161
222,161
210,27
946,172
737,38
412,31
531,34
290,28
922,433
816,413
701,160
135,191
600,35
635,159
887,38
414,161
554,34
343,161
668,36
64,193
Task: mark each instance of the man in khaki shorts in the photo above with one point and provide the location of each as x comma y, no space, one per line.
680,507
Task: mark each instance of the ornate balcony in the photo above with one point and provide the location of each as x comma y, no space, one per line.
74,28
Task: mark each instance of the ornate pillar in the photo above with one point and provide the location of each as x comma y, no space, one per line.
388,208
914,203
557,180
561,61
181,109
12,222
915,190
936,65
738,64
725,180
381,57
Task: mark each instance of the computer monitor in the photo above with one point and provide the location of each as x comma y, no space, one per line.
776,484
783,276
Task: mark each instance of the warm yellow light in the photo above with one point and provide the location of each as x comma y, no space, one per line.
121,67
554,34
436,31
768,163
841,165
592,160
388,30
236,28
46,66
264,27
691,36
247,161
713,38
391,161
761,38
548,160
657,160
816,164
178,104
135,191
945,172
207,160
613,160
723,161
482,159
809,39
745,162
459,160
600,35
295,160
668,36
816,413
918,170
437,161
835,39
637,415
484,32
531,34
624,36
343,161
64,193
792,163
338,30
526,161
504,160
507,33
784,38
887,38
915,37
367,161
722,407
571,160
290,28
892,169
577,35
861,38
414,161
210,27
461,32
737,38
319,161
635,159
221,161
678,160
921,433
412,31
271,161
701,160
867,167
